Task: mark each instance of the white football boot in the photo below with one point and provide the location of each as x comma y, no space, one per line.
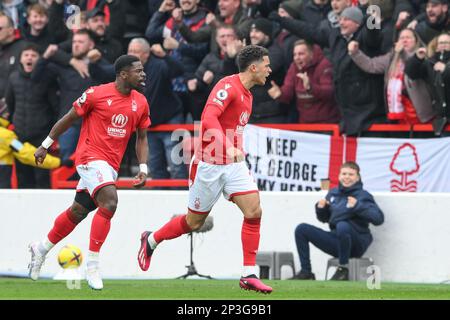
93,278
37,260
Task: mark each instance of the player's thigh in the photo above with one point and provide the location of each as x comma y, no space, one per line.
98,178
238,180
106,197
206,185
249,204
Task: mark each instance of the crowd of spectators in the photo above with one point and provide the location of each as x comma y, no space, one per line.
349,62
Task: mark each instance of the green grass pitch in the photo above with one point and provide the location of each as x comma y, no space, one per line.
16,289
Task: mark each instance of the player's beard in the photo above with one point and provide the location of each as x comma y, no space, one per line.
139,88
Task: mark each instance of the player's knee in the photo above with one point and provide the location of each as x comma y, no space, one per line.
195,225
195,221
77,213
254,212
110,205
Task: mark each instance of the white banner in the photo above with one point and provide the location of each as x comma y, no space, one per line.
282,160
404,165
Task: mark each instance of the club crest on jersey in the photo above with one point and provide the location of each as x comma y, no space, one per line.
109,102
197,203
133,106
118,122
243,119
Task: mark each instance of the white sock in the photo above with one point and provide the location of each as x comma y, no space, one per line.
45,246
151,241
248,270
93,259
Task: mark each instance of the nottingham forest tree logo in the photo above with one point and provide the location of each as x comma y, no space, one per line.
405,163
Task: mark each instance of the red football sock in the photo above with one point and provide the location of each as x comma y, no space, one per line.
62,228
172,229
250,240
101,223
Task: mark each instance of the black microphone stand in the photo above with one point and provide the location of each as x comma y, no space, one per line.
192,271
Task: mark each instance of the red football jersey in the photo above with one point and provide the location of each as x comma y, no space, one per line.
109,119
234,105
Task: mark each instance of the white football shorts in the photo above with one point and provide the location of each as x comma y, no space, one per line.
207,181
95,175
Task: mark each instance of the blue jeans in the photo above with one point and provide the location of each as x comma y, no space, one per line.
160,149
343,242
68,141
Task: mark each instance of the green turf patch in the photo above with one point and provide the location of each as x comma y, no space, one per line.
17,289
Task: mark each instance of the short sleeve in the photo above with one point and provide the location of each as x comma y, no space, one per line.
145,121
84,104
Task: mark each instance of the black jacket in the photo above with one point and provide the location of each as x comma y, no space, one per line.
264,107
9,61
214,63
191,54
31,105
314,14
427,30
358,94
71,84
439,84
164,103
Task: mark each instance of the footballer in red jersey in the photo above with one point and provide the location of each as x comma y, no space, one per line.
110,114
219,167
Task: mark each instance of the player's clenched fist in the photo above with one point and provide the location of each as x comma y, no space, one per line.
40,155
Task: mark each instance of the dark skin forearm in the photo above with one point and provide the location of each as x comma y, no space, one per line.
61,126
142,146
141,154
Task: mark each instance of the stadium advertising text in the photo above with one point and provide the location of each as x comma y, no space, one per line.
286,161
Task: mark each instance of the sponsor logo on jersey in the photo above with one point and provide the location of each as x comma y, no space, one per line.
118,122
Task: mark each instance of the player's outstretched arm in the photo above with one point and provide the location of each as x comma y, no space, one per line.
61,126
141,154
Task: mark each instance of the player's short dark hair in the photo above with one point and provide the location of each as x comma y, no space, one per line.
250,54
124,62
